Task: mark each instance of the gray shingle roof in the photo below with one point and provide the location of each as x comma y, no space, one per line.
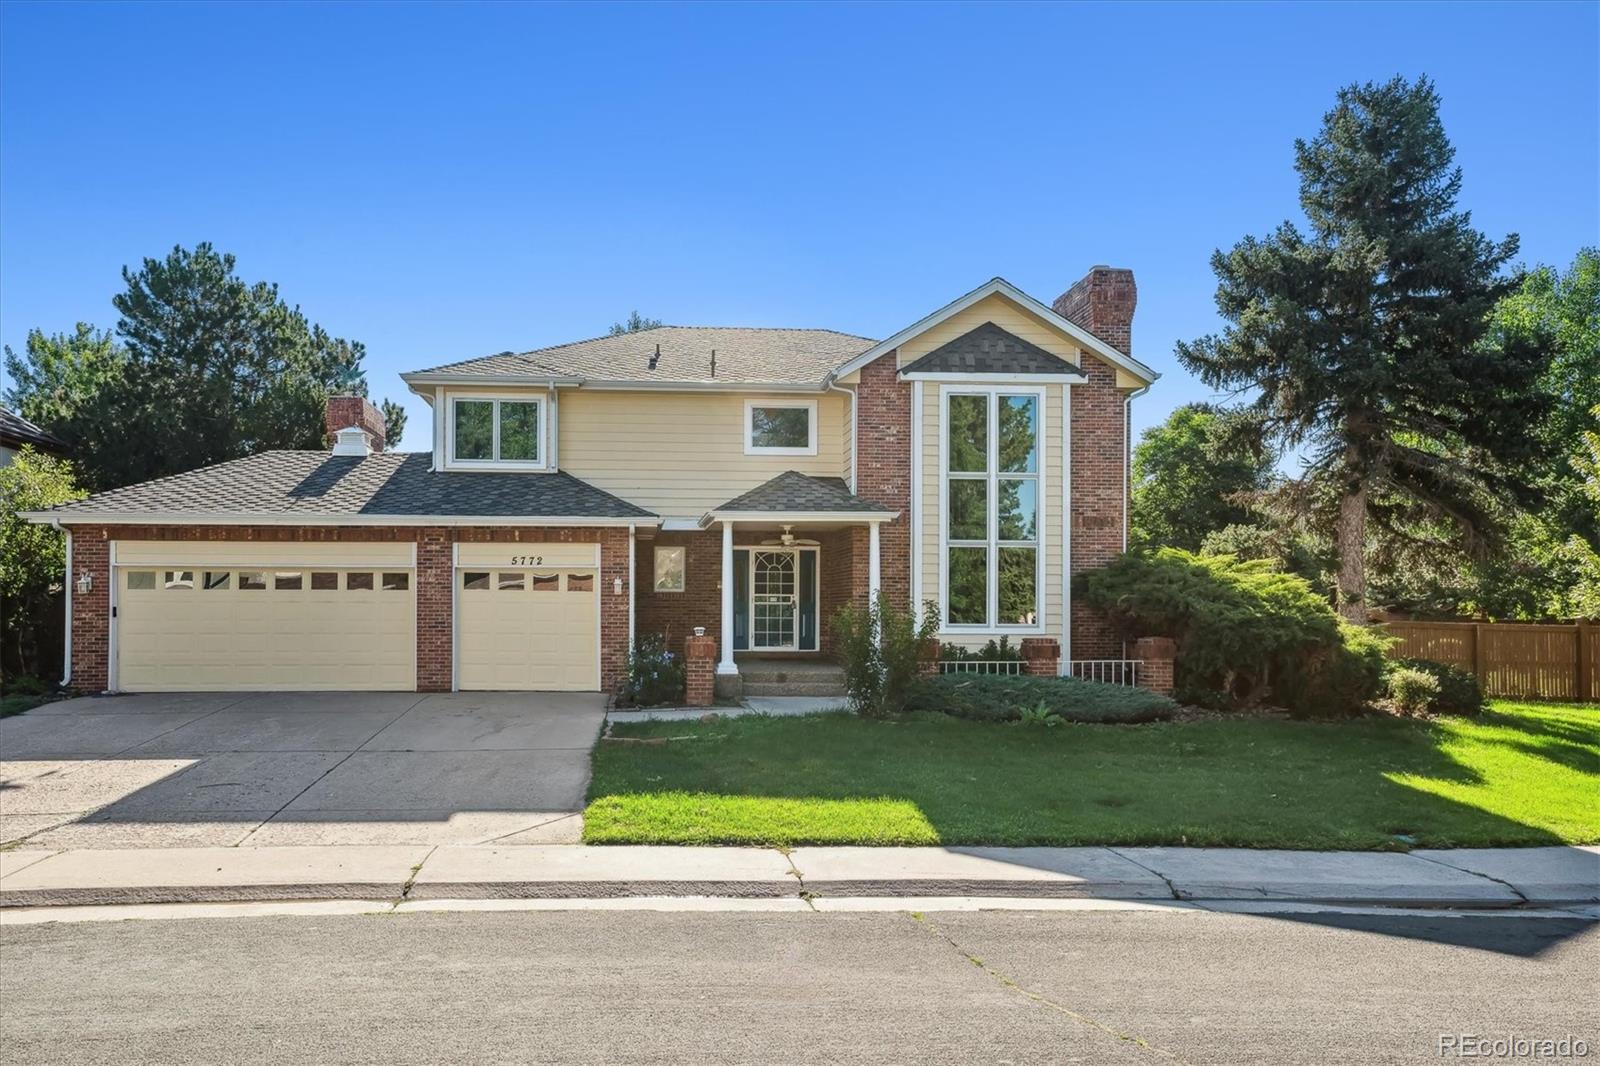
794,491
15,431
318,486
744,356
991,350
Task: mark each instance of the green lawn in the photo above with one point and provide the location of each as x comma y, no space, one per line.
1523,774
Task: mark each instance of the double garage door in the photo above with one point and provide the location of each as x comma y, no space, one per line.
237,616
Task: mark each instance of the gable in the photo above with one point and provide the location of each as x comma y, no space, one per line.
988,349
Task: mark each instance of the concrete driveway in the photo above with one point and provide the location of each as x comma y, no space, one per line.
264,769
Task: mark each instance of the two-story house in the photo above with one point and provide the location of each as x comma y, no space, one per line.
748,481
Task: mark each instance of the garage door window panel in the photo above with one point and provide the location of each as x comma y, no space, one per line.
141,580
546,582
179,579
511,582
288,581
252,580
394,582
358,581
580,582
324,581
475,581
217,580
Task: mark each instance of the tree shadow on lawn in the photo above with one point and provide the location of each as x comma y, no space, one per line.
929,779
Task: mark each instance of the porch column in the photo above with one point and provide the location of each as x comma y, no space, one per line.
725,664
873,582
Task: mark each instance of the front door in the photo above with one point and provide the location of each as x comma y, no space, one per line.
774,600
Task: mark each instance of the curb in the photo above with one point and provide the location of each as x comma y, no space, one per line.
921,888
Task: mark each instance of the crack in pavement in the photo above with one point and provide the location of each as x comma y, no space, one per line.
1475,873
1010,984
1150,870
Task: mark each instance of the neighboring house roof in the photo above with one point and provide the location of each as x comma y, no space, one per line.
781,357
1088,340
16,431
315,488
797,494
991,350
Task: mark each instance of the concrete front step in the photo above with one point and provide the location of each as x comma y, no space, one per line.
794,688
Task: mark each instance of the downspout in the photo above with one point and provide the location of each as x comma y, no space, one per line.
66,657
633,553
854,441
1127,467
555,427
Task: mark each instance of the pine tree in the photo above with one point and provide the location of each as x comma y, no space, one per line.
1363,339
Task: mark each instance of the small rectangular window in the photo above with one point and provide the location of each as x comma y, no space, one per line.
288,580
546,582
474,580
487,431
358,581
179,579
218,579
670,569
324,581
141,580
396,582
512,581
252,580
580,582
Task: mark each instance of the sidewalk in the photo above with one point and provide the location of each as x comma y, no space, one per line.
1509,877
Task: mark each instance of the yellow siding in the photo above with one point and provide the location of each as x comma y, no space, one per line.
1003,313
1051,503
680,454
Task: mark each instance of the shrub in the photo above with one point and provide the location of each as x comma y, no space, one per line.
880,648
1245,632
1412,691
999,651
655,675
999,698
1459,691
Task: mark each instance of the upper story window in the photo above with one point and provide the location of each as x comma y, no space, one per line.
991,509
488,431
780,427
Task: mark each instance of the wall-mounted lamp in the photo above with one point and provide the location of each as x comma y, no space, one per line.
616,586
85,582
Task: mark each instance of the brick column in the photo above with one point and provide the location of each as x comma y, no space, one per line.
1156,655
928,658
435,625
699,669
1043,656
91,611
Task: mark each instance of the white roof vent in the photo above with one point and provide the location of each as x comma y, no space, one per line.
352,440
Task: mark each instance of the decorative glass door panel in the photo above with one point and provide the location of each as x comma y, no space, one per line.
774,605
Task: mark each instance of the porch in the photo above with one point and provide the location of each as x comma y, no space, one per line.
770,569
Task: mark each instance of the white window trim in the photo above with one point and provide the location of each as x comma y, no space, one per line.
1041,599
452,463
683,565
809,406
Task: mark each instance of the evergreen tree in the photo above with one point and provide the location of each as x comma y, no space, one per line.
1362,338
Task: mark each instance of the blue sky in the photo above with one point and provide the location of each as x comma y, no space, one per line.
445,182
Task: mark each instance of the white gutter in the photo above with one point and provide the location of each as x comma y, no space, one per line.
797,516
633,551
1127,457
279,519
855,448
543,380
66,659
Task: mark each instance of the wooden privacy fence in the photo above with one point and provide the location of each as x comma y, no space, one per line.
1549,662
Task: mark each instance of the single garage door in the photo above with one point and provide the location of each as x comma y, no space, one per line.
528,628
219,623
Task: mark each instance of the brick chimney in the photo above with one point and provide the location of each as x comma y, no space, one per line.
1102,303
344,412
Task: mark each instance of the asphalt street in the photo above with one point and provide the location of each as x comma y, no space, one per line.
1156,986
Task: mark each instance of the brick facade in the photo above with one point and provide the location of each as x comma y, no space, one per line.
699,670
883,470
91,612
1102,302
675,614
